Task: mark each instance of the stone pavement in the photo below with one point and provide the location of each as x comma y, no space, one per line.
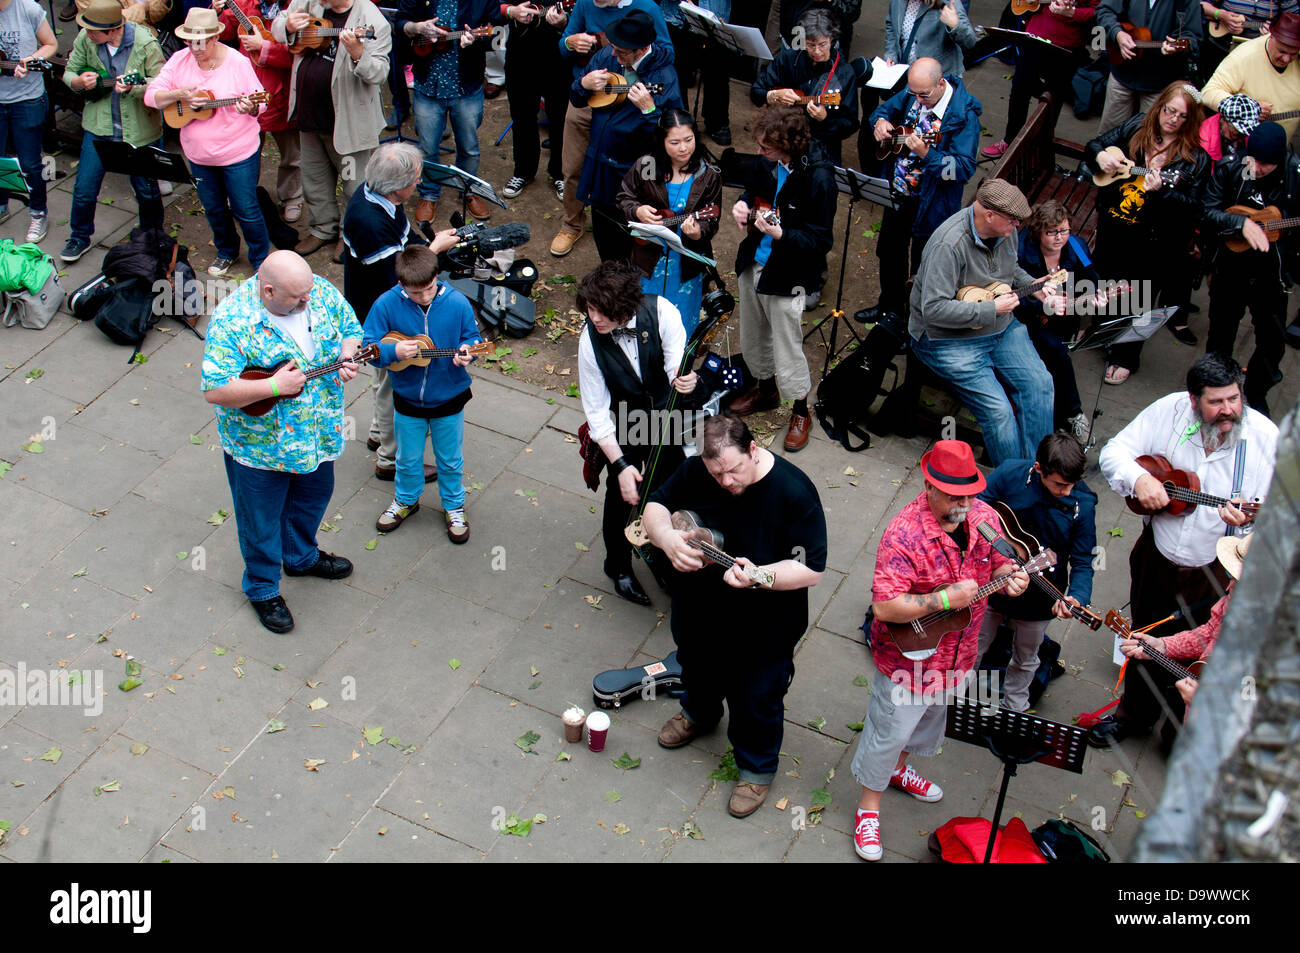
110,545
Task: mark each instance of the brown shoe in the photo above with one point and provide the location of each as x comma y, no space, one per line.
491,90
457,526
754,400
426,211
563,242
311,244
395,515
796,438
478,207
676,732
338,251
389,474
747,798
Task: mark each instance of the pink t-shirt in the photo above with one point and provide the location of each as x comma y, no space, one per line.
229,136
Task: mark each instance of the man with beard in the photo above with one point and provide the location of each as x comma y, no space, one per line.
736,634
1208,431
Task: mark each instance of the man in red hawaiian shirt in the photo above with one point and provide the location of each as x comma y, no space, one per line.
931,558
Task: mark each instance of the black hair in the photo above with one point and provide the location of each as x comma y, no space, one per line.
614,287
662,167
1061,454
1213,370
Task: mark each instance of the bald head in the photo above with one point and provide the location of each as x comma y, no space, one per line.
924,73
284,281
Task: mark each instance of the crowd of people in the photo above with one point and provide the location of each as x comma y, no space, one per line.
610,77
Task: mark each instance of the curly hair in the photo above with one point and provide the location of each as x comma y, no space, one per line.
614,287
784,128
1044,216
1187,141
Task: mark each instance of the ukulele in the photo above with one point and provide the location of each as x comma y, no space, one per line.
707,542
614,92
103,83
895,143
1183,490
920,638
763,208
250,25
671,219
1142,41
179,114
988,293
1270,218
428,352
259,408
318,33
35,65
830,100
1026,546
423,46
1120,626
1128,168
1021,7
1218,29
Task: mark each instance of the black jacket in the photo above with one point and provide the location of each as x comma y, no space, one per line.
807,207
1227,186
706,189
795,69
1171,208
1151,71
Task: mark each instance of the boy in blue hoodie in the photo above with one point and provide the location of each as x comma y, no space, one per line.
428,401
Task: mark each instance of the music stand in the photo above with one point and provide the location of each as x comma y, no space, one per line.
13,184
151,162
494,303
669,242
451,177
1015,738
736,40
1127,330
856,186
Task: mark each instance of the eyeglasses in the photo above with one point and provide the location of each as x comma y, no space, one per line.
1058,233
1172,113
925,95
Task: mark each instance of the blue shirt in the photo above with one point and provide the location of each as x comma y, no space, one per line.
764,249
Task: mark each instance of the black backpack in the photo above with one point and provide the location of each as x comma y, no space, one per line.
845,395
127,314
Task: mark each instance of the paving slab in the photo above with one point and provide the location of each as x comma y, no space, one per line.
34,529
28,780
61,471
825,668
501,409
192,482
147,414
401,843
54,616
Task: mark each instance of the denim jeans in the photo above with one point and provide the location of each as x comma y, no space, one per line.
90,177
277,515
430,121
24,122
227,189
1004,383
447,434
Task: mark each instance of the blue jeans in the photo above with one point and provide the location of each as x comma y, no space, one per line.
90,177
1001,378
277,515
24,122
447,434
430,121
223,188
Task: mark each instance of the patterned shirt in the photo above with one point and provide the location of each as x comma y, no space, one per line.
916,555
443,79
907,170
299,433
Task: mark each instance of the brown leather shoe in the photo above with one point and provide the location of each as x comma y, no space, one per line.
563,242
796,438
676,732
478,207
426,211
311,244
754,400
747,798
389,474
491,90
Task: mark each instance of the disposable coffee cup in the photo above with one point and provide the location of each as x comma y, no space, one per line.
597,730
573,719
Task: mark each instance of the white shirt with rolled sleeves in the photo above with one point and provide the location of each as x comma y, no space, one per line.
591,382
1189,540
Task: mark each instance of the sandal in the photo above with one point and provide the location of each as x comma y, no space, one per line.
1116,374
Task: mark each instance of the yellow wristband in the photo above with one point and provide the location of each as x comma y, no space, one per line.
275,391
943,594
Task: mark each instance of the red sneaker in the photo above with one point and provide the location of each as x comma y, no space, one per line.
911,782
995,150
866,837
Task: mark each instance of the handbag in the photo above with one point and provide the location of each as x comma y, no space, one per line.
33,311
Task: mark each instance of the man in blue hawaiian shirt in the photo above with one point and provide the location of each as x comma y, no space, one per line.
280,464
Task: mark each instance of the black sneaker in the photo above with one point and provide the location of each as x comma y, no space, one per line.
274,614
721,135
327,566
74,249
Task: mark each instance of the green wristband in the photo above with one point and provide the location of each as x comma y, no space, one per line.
275,391
943,594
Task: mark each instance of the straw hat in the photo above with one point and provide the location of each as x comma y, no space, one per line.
1231,550
101,15
200,24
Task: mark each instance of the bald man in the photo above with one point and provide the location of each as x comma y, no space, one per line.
280,462
928,175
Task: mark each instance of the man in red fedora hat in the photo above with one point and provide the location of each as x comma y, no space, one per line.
932,558
1265,69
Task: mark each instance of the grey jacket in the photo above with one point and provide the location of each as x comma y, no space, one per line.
932,37
354,87
952,260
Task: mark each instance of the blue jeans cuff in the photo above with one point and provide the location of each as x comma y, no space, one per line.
754,777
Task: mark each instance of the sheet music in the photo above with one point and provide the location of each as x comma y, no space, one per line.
748,40
884,76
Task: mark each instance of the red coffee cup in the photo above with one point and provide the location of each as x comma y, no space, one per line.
597,730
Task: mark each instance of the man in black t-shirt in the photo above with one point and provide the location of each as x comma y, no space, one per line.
736,628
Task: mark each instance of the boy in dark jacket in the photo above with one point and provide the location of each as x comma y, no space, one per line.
1052,503
927,179
428,401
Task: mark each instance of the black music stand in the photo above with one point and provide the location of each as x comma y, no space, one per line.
1015,738
13,183
736,40
451,177
1133,329
152,162
856,186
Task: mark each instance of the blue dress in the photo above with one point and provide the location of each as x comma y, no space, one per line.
667,277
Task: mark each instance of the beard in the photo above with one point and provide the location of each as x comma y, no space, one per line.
957,514
1212,438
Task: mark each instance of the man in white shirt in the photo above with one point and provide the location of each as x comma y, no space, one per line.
1209,431
628,358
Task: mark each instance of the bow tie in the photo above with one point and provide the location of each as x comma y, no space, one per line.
617,333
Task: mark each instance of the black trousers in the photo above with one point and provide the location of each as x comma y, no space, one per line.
893,245
695,54
618,551
1261,291
1057,359
1035,68
535,68
609,229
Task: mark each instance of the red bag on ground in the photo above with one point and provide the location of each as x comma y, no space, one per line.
964,840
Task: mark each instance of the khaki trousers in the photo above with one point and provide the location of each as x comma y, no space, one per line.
577,136
322,168
771,337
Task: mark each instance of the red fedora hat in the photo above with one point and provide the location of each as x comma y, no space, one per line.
950,466
1286,27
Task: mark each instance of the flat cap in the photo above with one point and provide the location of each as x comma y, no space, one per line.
1001,196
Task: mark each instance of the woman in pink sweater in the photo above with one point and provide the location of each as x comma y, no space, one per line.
223,150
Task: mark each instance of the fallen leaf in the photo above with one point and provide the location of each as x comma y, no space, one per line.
274,725
217,518
1115,531
382,831
373,735
109,788
626,762
196,440
534,671
613,797
313,764
692,830
1119,778
129,683
620,829
139,748
79,573
782,804
316,704
526,741
854,725
818,723
371,544
454,664
582,547
220,651
564,756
